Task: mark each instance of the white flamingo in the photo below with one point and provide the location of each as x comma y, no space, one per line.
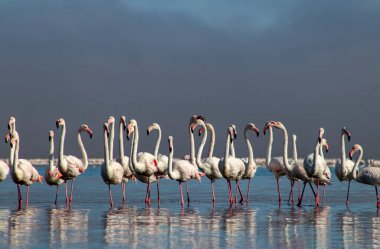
317,168
367,175
250,165
326,177
275,164
231,168
144,163
124,160
210,165
112,172
52,174
181,170
343,169
23,172
71,166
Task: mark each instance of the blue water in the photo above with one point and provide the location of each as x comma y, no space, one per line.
90,223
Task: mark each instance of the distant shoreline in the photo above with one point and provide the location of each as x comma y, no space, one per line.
99,161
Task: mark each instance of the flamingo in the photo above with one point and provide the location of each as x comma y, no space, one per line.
123,160
326,177
112,172
318,168
231,168
343,170
52,174
144,163
71,166
368,175
250,165
275,164
23,172
162,160
210,165
181,170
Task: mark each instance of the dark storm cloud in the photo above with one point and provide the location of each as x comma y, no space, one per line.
306,63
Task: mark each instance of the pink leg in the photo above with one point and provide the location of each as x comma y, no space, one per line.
158,194
241,194
71,192
180,190
278,190
230,191
291,190
188,196
27,195
67,196
377,198
56,195
236,189
111,201
299,190
303,190
249,185
348,192
212,190
147,198
317,194
324,192
19,196
123,192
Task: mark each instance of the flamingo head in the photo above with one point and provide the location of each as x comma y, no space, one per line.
153,126
268,125
123,121
231,133
252,126
346,132
111,120
354,149
85,128
196,123
325,144
58,175
320,136
170,141
81,170
14,138
11,123
60,122
130,127
195,118
51,135
106,128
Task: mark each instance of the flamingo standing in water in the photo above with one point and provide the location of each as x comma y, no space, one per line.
23,172
52,174
71,166
368,175
181,170
112,172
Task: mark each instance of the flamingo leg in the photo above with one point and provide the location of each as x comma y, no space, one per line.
67,196
19,196
317,194
303,190
236,189
278,190
56,195
348,192
188,196
158,193
324,192
180,190
212,190
111,200
71,192
27,195
249,185
299,190
229,191
291,190
377,198
240,192
147,197
123,192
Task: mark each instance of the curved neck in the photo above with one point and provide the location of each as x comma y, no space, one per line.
355,169
15,160
136,165
51,154
316,150
106,150
11,156
232,149
170,172
288,167
82,150
192,147
343,156
112,138
201,146
61,146
212,140
130,164
249,146
321,152
269,150
121,142
157,146
295,155
228,141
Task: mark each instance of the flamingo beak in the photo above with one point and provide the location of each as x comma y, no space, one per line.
9,126
7,137
59,175
352,151
49,138
57,124
81,170
327,148
257,131
89,131
201,130
40,179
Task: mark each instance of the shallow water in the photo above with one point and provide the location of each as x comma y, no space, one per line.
90,223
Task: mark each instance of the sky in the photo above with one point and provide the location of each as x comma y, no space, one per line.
308,64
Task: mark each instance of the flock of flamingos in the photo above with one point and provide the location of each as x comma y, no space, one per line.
149,168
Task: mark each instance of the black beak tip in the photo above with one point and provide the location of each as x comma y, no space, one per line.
9,127
91,135
147,132
49,138
257,134
319,140
349,138
170,149
128,138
